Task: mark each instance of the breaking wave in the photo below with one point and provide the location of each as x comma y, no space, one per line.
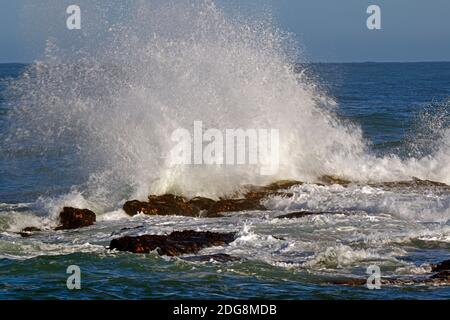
109,111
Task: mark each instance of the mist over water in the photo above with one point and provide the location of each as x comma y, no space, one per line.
110,111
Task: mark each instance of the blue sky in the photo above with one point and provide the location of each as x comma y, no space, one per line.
328,30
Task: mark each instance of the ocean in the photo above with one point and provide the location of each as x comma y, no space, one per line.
95,134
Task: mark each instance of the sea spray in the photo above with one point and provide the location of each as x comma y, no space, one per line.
108,110
116,107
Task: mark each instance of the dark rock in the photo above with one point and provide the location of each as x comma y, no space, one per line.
303,214
165,199
31,229
298,215
442,266
72,218
235,205
25,234
273,189
175,244
202,203
135,207
165,205
28,231
170,204
221,257
331,180
204,206
442,275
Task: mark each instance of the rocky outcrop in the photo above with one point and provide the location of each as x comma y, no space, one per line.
175,244
72,218
442,270
165,205
442,266
442,276
332,180
170,204
274,189
235,205
201,203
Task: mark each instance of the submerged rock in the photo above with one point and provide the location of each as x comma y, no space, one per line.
126,229
220,257
442,266
72,218
170,205
175,244
442,276
235,205
301,214
331,180
29,231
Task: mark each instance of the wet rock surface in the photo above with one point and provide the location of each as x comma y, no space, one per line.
273,189
303,214
72,218
29,231
443,276
221,258
169,204
174,244
332,180
235,205
165,205
442,266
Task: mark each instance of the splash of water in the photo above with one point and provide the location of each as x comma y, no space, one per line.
168,64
